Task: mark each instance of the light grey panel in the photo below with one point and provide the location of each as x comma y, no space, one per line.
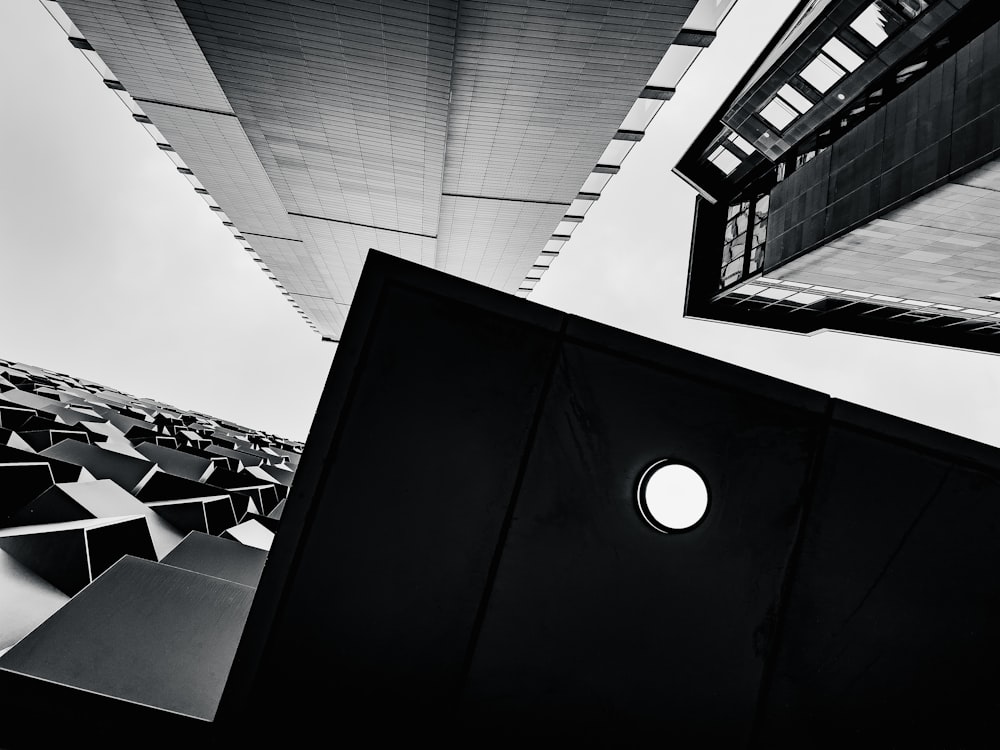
218,151
149,46
295,264
541,86
346,103
494,242
940,248
326,314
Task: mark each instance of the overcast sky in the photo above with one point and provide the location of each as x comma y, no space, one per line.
113,269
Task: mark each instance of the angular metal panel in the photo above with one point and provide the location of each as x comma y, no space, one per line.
171,648
148,45
219,558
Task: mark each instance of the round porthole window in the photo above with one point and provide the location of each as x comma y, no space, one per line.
672,496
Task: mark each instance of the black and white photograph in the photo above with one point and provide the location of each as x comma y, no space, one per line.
492,373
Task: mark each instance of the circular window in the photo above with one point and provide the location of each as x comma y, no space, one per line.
672,496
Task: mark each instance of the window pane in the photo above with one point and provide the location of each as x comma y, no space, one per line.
579,208
63,20
155,132
595,183
873,25
673,66
616,152
565,227
775,293
641,113
822,73
98,63
806,298
724,159
843,54
911,8
794,98
778,113
741,143
544,260
708,14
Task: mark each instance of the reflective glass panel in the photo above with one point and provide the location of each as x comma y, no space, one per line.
741,143
708,14
565,227
616,152
553,246
724,159
595,183
843,54
544,260
775,293
642,112
579,208
822,73
128,101
673,66
778,113
911,8
874,24
793,97
195,182
155,132
64,21
98,63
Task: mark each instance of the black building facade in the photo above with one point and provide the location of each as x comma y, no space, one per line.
850,181
464,557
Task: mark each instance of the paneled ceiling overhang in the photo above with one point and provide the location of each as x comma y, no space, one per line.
470,136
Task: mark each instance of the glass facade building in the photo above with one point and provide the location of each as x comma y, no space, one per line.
861,149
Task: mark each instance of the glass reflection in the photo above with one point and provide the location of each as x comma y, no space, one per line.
615,153
876,23
822,73
778,113
595,183
844,55
673,66
708,14
642,112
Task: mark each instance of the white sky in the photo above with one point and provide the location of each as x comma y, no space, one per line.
113,269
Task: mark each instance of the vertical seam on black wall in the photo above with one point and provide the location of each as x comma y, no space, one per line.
791,569
235,697
491,575
447,127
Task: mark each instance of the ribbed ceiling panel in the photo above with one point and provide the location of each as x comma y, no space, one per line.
149,47
348,100
494,242
541,86
218,151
